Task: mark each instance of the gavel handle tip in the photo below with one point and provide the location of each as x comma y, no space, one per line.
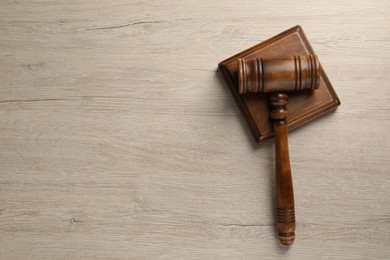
287,238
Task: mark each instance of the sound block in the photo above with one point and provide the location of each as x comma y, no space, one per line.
303,106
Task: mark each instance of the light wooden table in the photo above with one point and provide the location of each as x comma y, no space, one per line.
119,139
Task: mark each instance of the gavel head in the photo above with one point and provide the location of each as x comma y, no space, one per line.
261,75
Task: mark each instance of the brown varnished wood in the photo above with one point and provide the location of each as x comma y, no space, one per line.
262,75
285,212
267,71
303,107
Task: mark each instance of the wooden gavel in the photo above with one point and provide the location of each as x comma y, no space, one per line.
277,76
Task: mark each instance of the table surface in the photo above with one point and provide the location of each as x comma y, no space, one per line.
119,138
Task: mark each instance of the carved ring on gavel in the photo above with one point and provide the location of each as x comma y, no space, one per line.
277,76
262,75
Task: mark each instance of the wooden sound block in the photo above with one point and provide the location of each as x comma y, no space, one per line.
302,106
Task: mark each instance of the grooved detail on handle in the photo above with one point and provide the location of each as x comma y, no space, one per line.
279,112
285,215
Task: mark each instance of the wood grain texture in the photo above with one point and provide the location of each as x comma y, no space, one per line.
303,107
285,210
120,140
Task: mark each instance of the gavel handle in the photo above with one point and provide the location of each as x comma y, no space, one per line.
285,213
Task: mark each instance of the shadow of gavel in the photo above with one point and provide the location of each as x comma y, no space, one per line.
278,76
